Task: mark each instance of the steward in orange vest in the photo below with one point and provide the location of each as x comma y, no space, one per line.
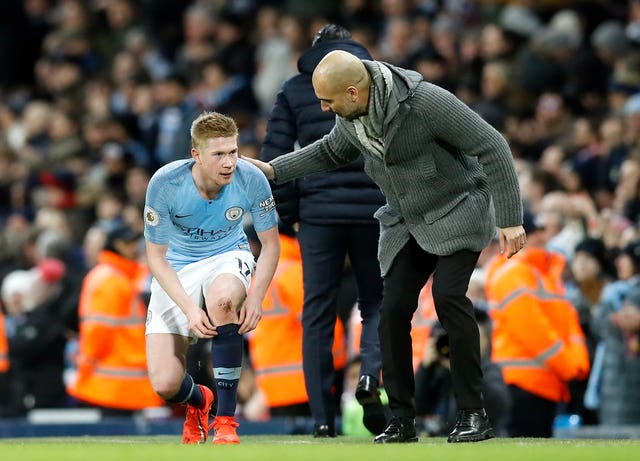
111,362
423,320
4,347
4,368
276,344
537,339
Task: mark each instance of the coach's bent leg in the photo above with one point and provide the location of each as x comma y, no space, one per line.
402,285
455,312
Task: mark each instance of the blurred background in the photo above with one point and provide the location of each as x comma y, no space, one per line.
95,95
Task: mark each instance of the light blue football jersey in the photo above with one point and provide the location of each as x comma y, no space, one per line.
196,228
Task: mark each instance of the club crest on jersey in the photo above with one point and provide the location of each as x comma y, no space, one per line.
234,213
151,217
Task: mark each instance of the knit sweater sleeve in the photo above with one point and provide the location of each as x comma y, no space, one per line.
328,153
456,124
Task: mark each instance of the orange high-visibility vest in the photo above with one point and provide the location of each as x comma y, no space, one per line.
276,344
423,320
112,367
422,323
4,346
537,339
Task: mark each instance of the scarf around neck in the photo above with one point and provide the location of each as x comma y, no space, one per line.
370,127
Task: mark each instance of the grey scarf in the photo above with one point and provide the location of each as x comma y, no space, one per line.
369,128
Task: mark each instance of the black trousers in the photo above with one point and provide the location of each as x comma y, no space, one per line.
410,270
324,248
531,415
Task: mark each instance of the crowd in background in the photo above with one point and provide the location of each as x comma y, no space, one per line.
95,95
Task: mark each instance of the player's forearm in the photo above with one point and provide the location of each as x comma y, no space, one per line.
168,280
265,268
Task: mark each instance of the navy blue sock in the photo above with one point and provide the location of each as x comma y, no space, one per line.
226,356
188,393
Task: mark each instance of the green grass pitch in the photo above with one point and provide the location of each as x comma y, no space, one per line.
299,448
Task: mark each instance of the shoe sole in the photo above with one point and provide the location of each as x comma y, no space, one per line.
411,440
367,398
475,438
226,442
374,418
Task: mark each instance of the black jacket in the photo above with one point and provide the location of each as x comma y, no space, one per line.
343,196
36,354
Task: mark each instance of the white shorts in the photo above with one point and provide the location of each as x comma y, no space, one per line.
164,315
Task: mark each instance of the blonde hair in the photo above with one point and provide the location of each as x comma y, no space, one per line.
211,125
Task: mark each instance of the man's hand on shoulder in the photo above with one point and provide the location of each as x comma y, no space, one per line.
265,167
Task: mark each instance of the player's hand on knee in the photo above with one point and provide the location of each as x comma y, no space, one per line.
200,324
249,317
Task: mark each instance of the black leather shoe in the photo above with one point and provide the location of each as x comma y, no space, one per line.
367,390
399,430
368,395
471,426
323,431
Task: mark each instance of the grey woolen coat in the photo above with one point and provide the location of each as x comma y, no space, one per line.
447,175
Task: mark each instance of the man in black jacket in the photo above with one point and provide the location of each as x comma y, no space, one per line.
334,212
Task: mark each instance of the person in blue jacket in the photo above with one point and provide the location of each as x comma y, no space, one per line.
334,216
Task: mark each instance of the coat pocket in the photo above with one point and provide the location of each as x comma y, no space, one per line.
387,216
433,215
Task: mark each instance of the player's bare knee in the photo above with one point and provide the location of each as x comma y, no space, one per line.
224,305
225,310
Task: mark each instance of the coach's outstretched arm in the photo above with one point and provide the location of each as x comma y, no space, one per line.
265,167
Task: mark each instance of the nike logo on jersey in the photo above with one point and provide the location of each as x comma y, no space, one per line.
179,216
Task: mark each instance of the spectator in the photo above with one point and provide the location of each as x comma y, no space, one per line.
616,323
561,220
274,58
537,340
111,359
591,271
174,116
120,18
36,337
4,367
235,48
494,90
93,244
227,93
4,347
610,41
198,46
631,111
434,68
152,61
